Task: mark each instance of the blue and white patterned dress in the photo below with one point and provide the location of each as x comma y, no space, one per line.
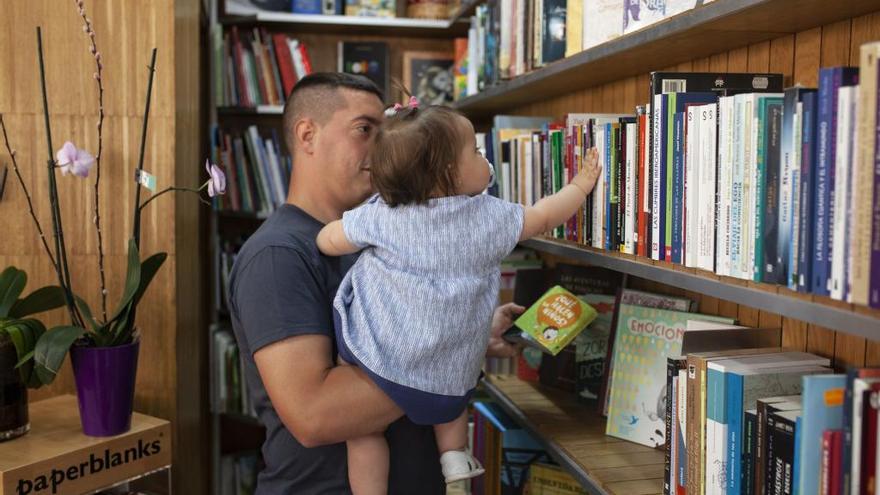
415,310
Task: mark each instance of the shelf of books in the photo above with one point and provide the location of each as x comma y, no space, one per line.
601,464
762,297
599,48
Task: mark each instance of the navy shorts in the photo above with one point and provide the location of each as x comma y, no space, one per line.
422,408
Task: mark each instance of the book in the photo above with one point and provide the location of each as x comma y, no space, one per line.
782,428
553,30
645,337
637,298
767,406
807,213
673,366
574,27
554,320
823,410
307,7
602,21
370,8
365,58
591,348
640,14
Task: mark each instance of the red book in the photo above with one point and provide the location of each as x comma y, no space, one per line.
307,63
836,471
642,220
238,54
825,459
285,63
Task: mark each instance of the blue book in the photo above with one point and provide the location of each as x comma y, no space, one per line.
796,465
677,185
830,81
807,203
306,7
745,385
823,410
769,265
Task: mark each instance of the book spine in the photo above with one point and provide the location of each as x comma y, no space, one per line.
796,459
747,481
677,197
735,434
863,183
824,168
671,373
808,194
725,184
836,472
825,468
839,220
643,210
774,260
749,150
736,196
874,279
794,157
608,205
669,178
681,417
869,442
632,206
657,172
786,181
759,185
760,447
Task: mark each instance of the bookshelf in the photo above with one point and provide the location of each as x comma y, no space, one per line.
766,297
716,27
602,464
336,24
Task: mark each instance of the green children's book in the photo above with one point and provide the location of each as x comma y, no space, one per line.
553,321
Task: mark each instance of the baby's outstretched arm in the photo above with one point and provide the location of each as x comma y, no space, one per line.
332,240
553,210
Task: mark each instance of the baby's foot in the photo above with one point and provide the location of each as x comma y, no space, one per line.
460,465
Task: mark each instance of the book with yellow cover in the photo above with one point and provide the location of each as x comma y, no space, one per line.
553,321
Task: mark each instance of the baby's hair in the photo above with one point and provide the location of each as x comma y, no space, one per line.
415,154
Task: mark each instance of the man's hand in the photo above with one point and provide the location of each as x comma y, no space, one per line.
501,321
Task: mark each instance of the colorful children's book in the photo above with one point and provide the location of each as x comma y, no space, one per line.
645,338
553,321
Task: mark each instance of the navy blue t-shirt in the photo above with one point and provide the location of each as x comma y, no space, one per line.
281,286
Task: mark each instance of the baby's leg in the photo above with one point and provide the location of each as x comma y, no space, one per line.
456,461
367,462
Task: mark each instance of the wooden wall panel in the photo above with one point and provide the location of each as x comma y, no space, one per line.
798,57
126,31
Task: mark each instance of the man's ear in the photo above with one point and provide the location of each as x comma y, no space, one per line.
305,131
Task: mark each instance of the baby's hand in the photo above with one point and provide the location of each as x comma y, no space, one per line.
586,178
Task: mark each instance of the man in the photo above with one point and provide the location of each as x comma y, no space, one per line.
281,293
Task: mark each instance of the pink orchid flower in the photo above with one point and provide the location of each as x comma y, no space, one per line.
217,181
74,160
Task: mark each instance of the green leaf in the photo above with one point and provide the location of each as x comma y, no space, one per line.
51,349
86,312
12,282
132,279
24,335
149,268
40,300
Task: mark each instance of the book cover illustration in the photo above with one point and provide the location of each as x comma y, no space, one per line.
591,347
555,320
371,8
366,58
645,338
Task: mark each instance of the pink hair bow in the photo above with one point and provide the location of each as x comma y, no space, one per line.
412,104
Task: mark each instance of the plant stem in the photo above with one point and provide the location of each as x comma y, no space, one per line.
27,194
140,167
99,69
173,189
60,249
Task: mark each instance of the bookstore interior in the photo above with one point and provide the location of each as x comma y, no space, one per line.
698,313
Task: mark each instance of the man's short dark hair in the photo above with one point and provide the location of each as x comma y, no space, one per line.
315,96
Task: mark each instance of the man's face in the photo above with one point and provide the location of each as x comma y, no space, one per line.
342,144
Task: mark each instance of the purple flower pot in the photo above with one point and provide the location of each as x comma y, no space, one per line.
105,387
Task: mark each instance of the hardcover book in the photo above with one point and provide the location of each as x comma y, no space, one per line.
366,58
823,410
645,338
554,320
591,347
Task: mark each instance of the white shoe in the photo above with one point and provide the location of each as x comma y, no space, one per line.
460,465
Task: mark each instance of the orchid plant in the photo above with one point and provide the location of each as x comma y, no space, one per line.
48,348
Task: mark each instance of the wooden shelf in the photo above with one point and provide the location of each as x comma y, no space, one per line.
259,110
342,24
574,435
719,26
821,311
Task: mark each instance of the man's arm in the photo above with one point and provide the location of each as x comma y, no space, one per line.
317,402
333,242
